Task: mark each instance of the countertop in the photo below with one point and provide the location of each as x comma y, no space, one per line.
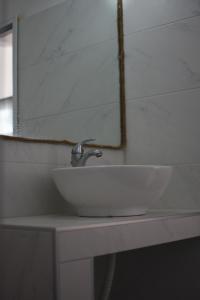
81,237
69,223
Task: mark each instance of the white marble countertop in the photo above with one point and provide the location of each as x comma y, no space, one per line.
79,238
69,223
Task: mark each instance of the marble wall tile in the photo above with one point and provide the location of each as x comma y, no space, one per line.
66,27
183,191
21,152
164,129
163,59
79,80
28,189
102,123
142,14
50,154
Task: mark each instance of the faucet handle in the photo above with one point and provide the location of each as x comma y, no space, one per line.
78,148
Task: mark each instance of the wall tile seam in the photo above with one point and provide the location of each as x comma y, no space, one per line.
172,92
159,26
38,163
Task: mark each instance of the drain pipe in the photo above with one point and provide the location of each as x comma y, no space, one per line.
109,277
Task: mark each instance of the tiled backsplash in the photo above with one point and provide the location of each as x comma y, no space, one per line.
26,184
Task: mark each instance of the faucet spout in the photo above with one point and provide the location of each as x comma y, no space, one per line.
97,153
79,157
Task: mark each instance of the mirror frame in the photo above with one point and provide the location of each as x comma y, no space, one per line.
123,138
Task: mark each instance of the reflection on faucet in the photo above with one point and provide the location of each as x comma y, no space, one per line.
79,158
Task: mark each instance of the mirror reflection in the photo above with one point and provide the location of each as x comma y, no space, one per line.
68,74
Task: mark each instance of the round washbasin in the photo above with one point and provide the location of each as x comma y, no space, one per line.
113,190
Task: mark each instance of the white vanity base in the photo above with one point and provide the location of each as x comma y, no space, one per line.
51,257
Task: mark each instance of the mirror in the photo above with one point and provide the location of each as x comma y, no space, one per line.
71,74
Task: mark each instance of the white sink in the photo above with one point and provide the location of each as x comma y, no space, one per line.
120,190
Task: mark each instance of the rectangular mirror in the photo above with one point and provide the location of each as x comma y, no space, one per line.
70,75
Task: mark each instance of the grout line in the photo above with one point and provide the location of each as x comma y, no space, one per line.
35,163
163,94
160,26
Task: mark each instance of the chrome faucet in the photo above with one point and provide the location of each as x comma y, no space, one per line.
79,157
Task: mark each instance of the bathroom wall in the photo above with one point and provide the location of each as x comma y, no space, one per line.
26,187
162,44
162,47
162,76
162,80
